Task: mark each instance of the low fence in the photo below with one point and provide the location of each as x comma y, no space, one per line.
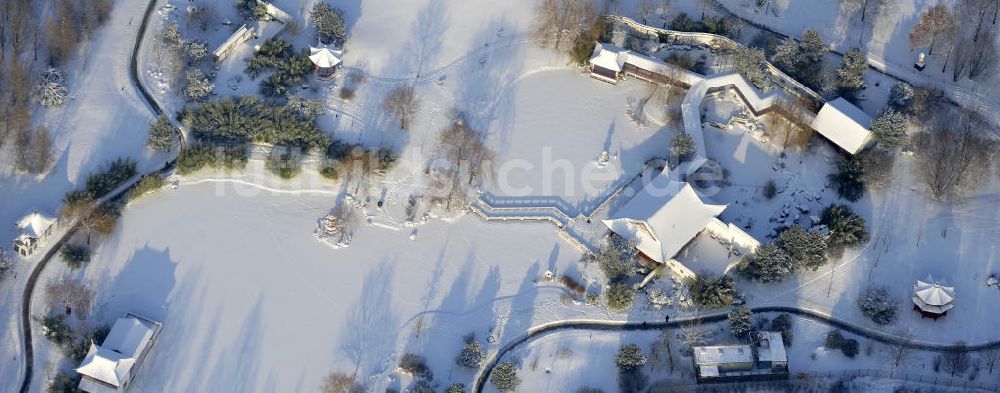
803,379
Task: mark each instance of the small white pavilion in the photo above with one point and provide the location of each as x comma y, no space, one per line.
932,300
325,59
32,229
844,124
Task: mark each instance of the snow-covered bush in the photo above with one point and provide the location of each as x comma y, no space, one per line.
64,382
806,249
682,147
875,303
197,156
196,51
337,382
848,346
55,328
900,96
890,129
616,258
290,68
385,159
4,262
162,135
455,388
307,108
633,110
251,10
171,35
198,87
619,296
285,165
739,322
51,89
330,24
472,356
846,228
415,365
75,255
504,377
752,64
712,292
769,263
422,386
630,357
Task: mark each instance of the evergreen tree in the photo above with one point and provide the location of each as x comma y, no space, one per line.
900,96
849,179
330,24
875,303
51,89
890,129
198,87
162,135
682,147
504,377
620,296
806,249
630,357
455,388
769,263
712,292
616,258
850,74
739,322
472,356
787,56
846,228
75,255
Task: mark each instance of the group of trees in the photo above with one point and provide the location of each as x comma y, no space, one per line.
712,291
196,156
750,62
576,21
796,248
288,67
247,119
961,36
402,103
618,260
72,23
182,57
712,25
463,160
802,60
953,151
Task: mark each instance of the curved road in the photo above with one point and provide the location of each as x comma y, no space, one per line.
29,353
535,332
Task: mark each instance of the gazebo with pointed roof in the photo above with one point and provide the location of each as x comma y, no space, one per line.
325,59
932,300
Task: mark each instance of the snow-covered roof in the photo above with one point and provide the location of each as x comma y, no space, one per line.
608,56
843,124
934,298
324,57
771,347
663,217
112,361
721,354
35,224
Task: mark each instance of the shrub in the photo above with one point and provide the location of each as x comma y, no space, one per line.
385,159
682,60
682,147
713,292
75,255
572,284
198,87
504,377
620,296
148,184
198,156
415,365
630,357
246,119
846,228
739,322
251,9
876,304
55,329
472,356
455,388
847,346
770,189
285,165
783,323
65,382
162,135
422,386
51,90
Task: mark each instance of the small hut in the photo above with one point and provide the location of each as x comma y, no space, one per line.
325,59
932,300
32,229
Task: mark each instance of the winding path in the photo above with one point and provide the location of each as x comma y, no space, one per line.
625,326
29,289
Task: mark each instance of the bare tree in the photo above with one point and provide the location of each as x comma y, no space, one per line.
692,333
71,294
936,23
466,159
954,151
340,383
900,349
61,32
990,356
973,13
402,103
982,57
644,9
563,19
956,360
